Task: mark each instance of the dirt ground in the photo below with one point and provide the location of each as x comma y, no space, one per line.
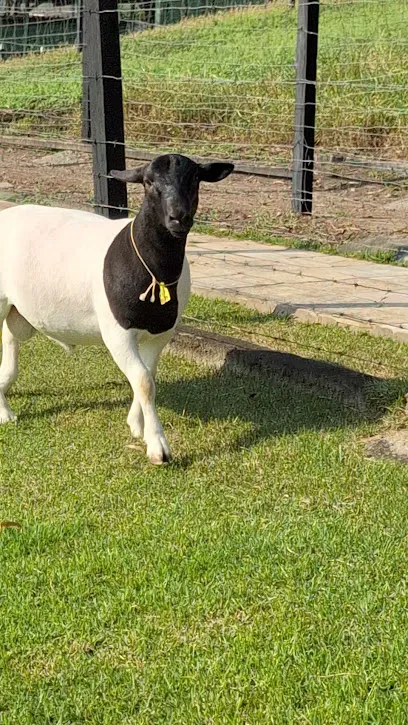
343,212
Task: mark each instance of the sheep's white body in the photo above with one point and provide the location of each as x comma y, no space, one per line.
51,273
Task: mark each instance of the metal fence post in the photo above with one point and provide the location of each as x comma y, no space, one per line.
79,14
103,68
157,12
305,106
85,48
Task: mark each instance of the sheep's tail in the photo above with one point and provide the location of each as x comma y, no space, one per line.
69,349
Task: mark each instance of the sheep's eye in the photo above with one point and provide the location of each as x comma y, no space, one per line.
151,186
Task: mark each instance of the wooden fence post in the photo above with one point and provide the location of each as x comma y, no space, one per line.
102,67
305,106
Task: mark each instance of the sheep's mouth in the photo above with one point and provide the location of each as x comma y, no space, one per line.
178,232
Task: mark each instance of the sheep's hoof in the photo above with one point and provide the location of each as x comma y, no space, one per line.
159,460
156,461
6,416
159,453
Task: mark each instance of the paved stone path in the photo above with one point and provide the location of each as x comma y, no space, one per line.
309,286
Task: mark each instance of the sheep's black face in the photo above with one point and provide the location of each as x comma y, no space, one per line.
171,184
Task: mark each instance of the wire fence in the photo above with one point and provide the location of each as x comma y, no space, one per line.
223,84
217,79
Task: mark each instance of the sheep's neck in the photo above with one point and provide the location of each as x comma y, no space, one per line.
163,253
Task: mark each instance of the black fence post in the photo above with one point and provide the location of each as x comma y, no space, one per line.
102,67
305,106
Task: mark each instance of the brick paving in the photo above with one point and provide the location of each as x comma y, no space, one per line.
306,285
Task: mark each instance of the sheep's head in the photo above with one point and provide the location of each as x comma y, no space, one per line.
171,185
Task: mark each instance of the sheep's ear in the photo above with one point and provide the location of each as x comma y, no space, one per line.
214,172
134,176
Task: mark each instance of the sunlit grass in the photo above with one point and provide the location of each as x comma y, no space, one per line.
259,579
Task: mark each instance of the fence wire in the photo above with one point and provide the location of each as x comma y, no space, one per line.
218,80
223,83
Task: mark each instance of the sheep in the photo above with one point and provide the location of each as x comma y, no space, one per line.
82,279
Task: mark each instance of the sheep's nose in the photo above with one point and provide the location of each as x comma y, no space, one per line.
179,220
179,217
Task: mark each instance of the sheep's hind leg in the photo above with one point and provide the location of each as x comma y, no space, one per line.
15,330
8,365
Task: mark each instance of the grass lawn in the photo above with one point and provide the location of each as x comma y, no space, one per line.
262,578
224,83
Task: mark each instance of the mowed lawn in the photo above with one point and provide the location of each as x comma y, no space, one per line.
261,578
225,83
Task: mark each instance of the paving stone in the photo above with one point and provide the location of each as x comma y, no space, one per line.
261,275
385,284
222,282
306,285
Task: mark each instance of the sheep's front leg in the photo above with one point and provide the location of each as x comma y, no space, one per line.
150,350
123,348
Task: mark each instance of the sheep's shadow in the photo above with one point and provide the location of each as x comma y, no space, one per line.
270,407
273,407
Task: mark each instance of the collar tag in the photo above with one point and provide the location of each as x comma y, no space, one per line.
164,294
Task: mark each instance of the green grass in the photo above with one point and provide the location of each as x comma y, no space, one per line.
262,578
223,83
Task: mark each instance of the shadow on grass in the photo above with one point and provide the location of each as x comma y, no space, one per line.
272,406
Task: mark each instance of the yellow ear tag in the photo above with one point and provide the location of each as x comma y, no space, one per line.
164,293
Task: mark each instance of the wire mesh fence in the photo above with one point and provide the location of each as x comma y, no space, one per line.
216,79
222,84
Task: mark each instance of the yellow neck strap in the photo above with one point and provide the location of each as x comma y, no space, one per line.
164,292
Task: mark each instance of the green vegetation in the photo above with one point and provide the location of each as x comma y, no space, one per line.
224,83
262,578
